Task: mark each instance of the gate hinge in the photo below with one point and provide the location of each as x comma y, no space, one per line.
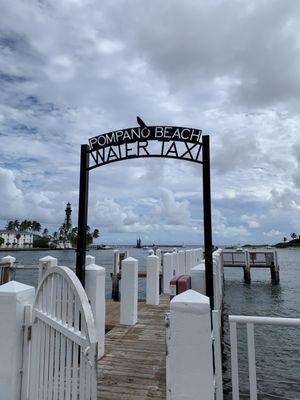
167,320
168,332
29,333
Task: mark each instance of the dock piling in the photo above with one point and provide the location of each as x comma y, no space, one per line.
95,290
152,280
167,272
189,365
274,269
44,264
247,272
14,297
129,292
115,291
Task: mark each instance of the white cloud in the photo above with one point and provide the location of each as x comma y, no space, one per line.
73,69
273,232
16,204
227,232
250,220
171,211
111,216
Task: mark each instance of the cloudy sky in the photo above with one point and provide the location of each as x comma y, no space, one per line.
72,69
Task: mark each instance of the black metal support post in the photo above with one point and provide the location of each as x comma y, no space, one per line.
82,213
207,221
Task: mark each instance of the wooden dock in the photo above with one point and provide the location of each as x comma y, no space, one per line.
133,367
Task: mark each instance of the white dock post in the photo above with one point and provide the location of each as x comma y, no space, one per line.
181,257
188,261
14,296
95,291
90,260
8,273
158,253
152,280
199,256
193,261
175,259
129,292
168,272
116,267
44,264
198,278
189,371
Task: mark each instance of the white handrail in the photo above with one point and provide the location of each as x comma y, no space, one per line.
250,321
264,320
217,326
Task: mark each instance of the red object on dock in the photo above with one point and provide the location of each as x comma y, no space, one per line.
179,284
184,283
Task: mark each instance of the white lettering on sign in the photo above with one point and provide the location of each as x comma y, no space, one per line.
147,148
159,133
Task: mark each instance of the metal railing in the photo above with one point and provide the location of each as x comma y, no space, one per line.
252,257
250,322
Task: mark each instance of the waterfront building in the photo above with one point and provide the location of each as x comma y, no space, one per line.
16,239
64,244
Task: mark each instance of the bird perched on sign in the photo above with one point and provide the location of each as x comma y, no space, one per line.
141,122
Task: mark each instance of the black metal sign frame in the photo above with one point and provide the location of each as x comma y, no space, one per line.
139,142
154,141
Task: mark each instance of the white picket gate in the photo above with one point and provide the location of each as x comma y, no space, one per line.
63,355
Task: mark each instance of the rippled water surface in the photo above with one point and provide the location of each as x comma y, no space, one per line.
277,348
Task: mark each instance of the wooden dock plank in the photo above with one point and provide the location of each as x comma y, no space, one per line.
133,367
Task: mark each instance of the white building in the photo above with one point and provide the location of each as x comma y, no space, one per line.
64,245
16,239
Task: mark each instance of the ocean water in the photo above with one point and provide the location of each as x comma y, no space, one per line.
277,348
104,258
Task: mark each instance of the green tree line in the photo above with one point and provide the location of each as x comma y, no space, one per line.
21,226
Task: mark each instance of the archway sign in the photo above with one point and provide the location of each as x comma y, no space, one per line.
145,142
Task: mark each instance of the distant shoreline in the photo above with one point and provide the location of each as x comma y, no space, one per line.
34,249
48,249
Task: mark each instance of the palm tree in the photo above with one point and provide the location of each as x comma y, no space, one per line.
96,233
16,224
293,235
35,226
284,239
24,225
10,226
